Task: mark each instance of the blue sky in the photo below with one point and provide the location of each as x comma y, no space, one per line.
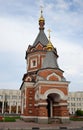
19,28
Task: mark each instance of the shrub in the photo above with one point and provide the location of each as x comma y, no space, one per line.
76,119
79,113
9,119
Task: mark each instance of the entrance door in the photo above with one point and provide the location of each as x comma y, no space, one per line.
50,107
52,99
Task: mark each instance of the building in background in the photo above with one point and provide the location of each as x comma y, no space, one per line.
10,101
75,101
44,89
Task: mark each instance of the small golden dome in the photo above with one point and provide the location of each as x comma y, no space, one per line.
41,18
49,46
41,21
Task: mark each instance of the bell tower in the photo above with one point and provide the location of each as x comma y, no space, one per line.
44,88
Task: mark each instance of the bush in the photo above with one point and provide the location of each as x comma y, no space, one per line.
79,113
76,118
9,119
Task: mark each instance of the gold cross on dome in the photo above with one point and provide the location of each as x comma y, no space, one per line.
49,33
41,8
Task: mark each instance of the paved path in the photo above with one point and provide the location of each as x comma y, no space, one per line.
21,125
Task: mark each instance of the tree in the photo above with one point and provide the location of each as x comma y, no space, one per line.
0,106
5,106
79,113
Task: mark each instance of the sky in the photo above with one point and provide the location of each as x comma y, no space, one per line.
19,28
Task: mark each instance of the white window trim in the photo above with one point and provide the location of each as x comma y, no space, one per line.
32,66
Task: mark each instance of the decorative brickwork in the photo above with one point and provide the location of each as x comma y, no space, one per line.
44,88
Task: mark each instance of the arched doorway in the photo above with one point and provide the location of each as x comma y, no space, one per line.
52,99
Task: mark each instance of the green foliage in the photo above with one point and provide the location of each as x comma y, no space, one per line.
79,113
76,119
10,119
0,104
78,116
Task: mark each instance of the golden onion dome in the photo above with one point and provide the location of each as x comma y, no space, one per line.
41,18
49,46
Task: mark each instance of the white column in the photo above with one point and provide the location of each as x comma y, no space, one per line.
22,105
16,107
10,103
25,97
9,108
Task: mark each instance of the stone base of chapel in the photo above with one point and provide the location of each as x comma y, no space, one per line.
42,120
45,120
65,120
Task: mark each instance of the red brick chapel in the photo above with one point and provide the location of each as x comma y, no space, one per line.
44,89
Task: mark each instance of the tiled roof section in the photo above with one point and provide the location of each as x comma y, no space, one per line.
50,61
41,38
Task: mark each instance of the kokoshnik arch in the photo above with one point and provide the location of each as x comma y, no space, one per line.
44,89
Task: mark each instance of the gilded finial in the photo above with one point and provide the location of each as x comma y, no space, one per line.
49,45
41,20
41,8
49,34
41,16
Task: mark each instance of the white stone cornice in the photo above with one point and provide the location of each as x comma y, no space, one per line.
31,55
44,96
41,104
43,117
25,117
46,85
32,70
27,85
52,82
28,116
60,104
62,117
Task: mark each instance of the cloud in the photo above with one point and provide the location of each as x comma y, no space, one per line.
10,85
15,37
71,55
70,61
19,28
68,22
14,34
12,67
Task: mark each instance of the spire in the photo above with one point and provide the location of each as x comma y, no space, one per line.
41,20
49,45
42,38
